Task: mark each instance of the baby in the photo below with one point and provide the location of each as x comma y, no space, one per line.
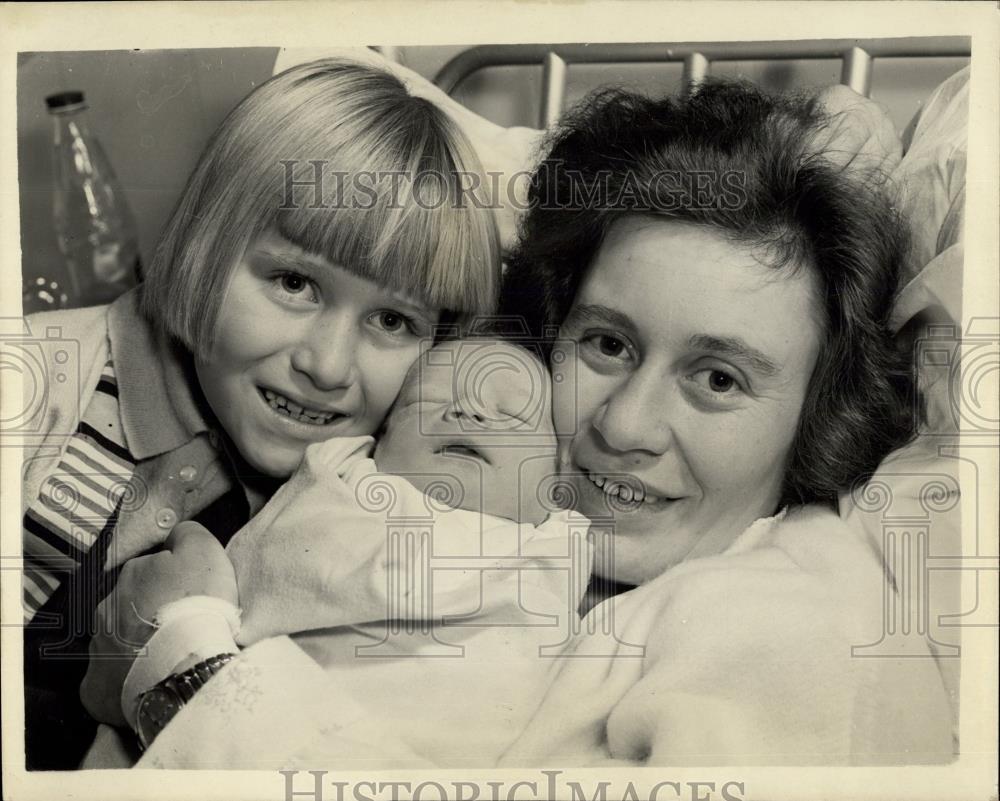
439,545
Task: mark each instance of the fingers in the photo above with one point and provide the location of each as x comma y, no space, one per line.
190,535
200,563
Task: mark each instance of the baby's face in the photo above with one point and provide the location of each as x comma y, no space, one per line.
479,411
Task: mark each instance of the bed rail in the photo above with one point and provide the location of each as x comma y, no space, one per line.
856,56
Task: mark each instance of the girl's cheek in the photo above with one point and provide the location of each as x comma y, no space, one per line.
384,374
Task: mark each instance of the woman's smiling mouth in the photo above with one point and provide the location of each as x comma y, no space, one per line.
301,414
626,492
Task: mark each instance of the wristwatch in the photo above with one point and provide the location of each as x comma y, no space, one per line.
159,704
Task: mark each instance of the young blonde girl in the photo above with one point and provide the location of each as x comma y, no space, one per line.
324,234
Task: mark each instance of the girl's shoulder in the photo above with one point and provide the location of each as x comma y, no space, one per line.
76,325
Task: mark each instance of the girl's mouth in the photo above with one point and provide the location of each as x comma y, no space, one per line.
302,414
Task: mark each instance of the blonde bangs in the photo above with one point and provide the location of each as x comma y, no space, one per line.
404,215
358,126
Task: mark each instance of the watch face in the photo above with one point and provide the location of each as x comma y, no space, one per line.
156,709
158,706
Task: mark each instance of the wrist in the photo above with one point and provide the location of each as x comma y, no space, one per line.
188,632
158,706
191,660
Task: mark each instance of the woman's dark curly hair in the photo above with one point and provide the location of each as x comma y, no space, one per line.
734,158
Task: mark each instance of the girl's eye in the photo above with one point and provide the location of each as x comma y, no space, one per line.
393,322
293,283
297,287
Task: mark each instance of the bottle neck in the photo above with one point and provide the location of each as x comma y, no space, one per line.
71,122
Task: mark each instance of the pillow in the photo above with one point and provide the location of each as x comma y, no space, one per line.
909,510
931,176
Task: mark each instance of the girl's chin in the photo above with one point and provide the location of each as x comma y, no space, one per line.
271,459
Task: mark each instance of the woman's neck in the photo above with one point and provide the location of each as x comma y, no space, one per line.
599,590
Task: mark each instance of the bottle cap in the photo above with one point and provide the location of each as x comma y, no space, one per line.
63,101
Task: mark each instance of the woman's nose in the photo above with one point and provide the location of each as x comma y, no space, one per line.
328,355
636,417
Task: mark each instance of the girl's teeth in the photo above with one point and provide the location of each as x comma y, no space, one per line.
284,406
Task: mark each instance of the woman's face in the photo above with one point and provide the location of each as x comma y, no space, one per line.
305,351
692,363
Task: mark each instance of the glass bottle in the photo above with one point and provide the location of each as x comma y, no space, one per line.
93,223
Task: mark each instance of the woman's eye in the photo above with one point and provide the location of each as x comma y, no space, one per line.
607,345
610,346
719,381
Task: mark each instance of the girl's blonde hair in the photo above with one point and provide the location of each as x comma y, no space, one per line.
393,203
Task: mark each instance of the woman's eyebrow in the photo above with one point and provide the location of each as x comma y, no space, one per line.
597,314
737,348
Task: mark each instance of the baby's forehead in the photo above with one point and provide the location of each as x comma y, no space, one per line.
466,366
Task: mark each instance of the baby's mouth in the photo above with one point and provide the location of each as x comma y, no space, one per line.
302,414
463,448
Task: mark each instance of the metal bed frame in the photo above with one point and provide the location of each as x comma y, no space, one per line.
856,56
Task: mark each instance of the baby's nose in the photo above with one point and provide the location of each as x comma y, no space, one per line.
457,414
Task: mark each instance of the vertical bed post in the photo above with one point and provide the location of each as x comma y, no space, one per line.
553,89
695,70
856,71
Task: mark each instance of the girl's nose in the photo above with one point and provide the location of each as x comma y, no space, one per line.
328,356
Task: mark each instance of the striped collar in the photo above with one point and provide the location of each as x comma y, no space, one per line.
158,408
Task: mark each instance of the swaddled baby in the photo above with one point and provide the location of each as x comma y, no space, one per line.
432,579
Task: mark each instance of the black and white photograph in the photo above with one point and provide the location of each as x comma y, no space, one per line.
579,401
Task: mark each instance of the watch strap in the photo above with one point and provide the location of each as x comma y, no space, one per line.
171,694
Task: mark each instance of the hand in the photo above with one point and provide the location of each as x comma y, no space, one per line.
192,563
860,131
